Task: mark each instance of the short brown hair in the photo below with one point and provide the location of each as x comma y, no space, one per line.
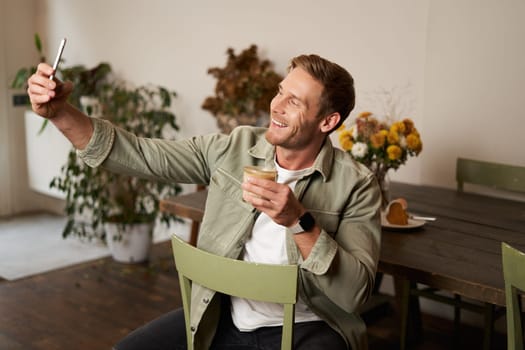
338,85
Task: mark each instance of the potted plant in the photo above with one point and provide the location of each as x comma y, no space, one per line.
116,208
245,86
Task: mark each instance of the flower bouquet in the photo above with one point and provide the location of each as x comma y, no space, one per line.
380,146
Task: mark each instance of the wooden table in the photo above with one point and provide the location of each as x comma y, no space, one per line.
190,206
459,252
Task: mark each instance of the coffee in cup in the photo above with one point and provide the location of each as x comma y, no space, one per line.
259,172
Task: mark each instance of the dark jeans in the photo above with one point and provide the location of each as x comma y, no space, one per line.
168,332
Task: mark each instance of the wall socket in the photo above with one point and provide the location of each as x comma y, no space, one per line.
20,100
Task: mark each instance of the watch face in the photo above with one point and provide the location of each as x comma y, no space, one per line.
307,221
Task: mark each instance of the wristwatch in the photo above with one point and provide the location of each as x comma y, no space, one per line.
306,223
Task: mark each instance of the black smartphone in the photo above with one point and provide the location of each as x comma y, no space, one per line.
57,59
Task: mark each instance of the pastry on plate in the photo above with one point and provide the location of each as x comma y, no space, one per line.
396,212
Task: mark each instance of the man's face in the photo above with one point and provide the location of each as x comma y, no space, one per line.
294,121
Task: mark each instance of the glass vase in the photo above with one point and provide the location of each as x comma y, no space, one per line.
384,185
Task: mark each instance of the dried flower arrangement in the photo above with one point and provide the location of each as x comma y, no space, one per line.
245,86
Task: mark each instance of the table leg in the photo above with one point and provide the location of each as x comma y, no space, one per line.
194,233
489,317
195,225
410,329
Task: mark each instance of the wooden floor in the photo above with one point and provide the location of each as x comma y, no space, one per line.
93,305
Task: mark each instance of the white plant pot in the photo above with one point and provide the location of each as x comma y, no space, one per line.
129,243
91,106
46,154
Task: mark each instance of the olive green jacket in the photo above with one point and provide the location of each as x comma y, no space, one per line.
341,194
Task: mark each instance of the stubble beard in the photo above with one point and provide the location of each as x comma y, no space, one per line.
289,143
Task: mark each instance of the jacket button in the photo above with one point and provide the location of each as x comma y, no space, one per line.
205,300
192,329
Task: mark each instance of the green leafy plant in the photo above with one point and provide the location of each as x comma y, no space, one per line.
87,81
245,86
23,73
95,196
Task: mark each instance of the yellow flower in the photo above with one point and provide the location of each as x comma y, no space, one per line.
378,139
394,152
399,127
414,142
393,136
345,139
378,144
393,128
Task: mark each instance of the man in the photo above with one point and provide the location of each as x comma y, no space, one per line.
322,213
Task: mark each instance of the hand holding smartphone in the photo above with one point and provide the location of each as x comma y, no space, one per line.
57,58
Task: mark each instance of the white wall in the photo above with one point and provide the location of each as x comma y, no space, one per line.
474,76
17,21
5,178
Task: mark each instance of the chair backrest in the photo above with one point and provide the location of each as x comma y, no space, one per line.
496,175
514,275
263,282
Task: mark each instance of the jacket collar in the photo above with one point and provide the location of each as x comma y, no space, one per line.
323,163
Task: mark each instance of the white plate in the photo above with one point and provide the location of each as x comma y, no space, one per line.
412,224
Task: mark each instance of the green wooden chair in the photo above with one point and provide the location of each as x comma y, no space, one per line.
513,262
497,176
493,175
263,282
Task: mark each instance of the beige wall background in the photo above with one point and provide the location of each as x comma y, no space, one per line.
455,67
17,27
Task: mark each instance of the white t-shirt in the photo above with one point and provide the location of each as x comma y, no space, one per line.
268,245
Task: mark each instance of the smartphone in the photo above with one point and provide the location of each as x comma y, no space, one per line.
57,59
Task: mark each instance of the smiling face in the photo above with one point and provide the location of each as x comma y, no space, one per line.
313,100
295,124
